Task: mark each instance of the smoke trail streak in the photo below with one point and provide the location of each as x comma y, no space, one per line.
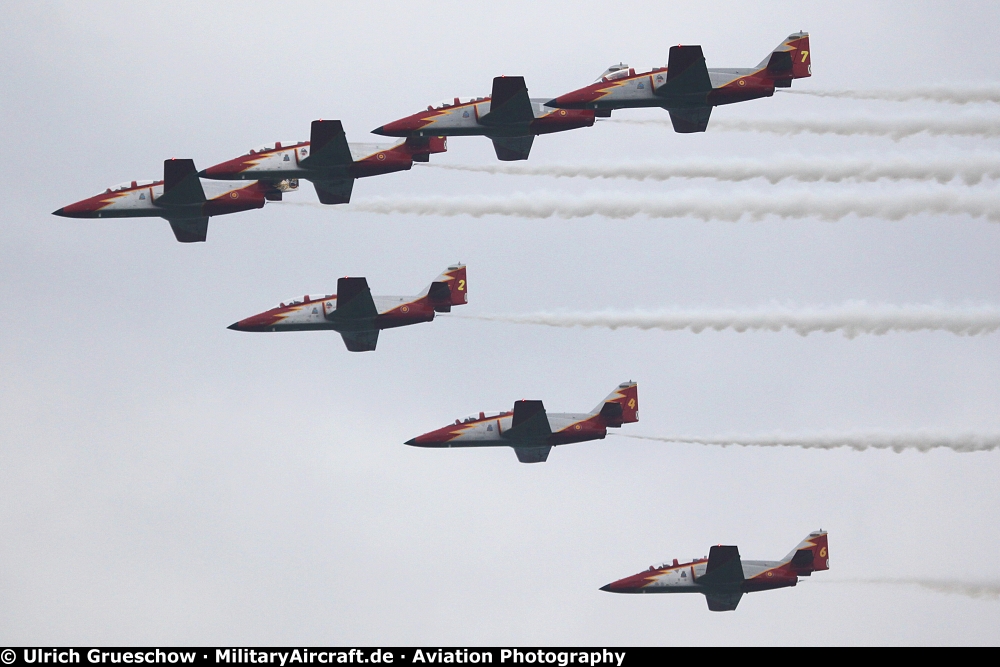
852,319
896,128
699,205
971,169
950,94
975,590
923,441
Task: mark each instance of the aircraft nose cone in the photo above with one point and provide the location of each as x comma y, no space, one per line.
235,326
411,442
606,587
380,130
59,211
554,102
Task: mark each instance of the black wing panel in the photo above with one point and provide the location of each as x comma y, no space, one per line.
686,121
510,149
724,567
360,341
327,145
354,300
334,191
190,230
686,72
509,102
529,423
532,454
181,185
723,601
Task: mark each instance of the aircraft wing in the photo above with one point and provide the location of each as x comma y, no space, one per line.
686,72
189,230
722,601
181,185
724,568
337,191
327,145
354,300
529,423
694,119
360,341
512,148
532,454
509,102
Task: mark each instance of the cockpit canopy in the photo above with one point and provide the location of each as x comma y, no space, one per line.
618,71
275,146
482,415
128,185
308,298
455,102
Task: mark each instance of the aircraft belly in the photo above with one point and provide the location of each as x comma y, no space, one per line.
132,213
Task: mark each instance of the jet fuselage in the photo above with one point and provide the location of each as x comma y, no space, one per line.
138,199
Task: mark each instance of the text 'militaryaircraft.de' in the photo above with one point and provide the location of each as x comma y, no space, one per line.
687,88
359,316
508,116
531,431
723,577
327,160
179,198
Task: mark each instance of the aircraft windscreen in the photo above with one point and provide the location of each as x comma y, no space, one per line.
308,298
127,185
276,145
454,101
614,72
482,415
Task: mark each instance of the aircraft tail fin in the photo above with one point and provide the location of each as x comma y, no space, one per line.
621,406
811,555
421,148
449,289
791,60
181,185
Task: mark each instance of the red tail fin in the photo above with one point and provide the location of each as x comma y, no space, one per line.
449,289
791,60
621,406
811,555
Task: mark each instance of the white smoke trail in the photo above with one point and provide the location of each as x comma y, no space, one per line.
852,319
951,94
975,590
922,440
828,206
971,169
896,128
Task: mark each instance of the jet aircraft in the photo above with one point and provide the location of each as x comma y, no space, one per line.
179,198
532,432
687,88
327,160
359,316
723,577
508,116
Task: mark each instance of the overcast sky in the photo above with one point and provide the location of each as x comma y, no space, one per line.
166,480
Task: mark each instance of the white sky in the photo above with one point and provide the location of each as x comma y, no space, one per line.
165,480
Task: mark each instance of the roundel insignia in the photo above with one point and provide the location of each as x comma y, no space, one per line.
562,112
234,195
405,309
770,574
380,156
742,82
577,427
822,552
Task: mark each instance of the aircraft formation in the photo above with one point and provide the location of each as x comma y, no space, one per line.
686,88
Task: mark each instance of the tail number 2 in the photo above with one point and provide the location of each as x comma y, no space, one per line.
461,285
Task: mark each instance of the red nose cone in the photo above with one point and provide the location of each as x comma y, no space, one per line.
226,170
86,208
438,438
262,322
633,584
404,127
574,100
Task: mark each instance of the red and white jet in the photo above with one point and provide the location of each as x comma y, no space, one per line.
687,88
532,432
508,116
723,577
327,160
179,198
359,316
